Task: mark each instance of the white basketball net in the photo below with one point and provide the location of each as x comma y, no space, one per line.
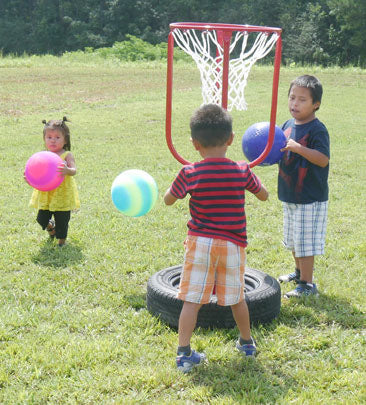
202,44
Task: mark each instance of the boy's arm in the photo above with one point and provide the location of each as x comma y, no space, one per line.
169,198
262,194
312,155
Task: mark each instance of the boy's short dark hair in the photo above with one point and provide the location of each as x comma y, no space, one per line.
211,125
311,83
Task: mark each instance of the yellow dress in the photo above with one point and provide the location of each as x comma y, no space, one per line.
63,198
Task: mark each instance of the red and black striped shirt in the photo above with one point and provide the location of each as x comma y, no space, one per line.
217,188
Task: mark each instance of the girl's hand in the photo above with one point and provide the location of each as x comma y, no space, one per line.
65,170
62,169
25,178
68,168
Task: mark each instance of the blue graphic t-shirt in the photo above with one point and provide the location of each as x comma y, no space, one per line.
300,181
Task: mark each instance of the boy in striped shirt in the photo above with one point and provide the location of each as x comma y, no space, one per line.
216,240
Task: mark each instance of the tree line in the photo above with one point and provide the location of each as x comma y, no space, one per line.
325,32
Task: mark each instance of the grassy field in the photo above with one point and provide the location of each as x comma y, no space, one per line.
74,328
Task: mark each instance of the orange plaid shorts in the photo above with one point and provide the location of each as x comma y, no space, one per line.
212,262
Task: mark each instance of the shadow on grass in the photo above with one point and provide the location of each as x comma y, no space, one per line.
51,255
325,309
136,301
245,381
309,312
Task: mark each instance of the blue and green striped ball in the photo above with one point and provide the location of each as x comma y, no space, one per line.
134,192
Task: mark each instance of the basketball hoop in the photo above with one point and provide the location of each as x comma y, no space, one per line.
224,55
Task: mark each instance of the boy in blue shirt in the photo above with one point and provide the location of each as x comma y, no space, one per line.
303,183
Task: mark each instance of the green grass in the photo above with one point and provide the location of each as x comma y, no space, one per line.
74,328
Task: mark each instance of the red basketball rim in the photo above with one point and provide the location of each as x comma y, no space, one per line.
227,28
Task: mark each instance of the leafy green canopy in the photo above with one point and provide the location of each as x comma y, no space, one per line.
323,32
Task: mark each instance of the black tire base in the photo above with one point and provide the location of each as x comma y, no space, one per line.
262,294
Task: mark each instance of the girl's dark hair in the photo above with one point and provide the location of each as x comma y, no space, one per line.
59,125
211,125
311,83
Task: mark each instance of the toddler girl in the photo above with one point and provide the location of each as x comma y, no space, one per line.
60,201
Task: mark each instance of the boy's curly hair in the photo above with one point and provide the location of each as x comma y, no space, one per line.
211,125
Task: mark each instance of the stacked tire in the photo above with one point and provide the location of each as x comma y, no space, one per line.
262,294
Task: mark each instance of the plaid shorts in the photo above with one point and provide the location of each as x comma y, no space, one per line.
304,228
208,263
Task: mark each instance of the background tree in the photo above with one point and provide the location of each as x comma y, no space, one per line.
314,31
349,32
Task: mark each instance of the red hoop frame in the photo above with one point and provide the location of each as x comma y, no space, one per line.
226,30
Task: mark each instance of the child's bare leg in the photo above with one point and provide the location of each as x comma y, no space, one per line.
297,261
241,316
187,322
306,266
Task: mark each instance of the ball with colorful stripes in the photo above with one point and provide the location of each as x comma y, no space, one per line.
134,192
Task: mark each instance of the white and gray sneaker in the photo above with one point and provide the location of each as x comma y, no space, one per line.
286,278
303,289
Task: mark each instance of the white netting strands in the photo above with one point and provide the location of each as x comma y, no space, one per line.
207,50
224,55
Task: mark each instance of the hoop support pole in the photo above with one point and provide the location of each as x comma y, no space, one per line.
169,96
272,123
